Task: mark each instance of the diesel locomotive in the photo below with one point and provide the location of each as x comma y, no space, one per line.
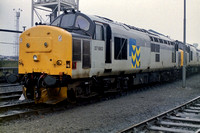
80,55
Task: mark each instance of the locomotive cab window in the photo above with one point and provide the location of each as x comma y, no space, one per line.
82,23
120,49
67,20
99,32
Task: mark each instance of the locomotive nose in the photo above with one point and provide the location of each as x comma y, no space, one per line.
45,49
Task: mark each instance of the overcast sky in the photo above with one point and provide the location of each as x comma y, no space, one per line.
164,16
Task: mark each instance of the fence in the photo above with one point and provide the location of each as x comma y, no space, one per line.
9,47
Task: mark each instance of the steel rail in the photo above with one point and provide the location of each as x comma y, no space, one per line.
6,96
3,98
167,120
9,85
18,110
18,105
10,93
13,112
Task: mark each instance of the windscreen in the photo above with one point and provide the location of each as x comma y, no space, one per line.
82,23
67,20
64,21
75,22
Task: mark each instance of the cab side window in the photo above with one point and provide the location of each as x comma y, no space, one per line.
99,32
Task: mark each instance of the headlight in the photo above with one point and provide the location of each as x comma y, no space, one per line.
35,57
59,62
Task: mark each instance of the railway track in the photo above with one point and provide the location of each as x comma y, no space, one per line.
11,108
8,85
16,110
12,95
24,109
182,119
29,108
10,105
9,93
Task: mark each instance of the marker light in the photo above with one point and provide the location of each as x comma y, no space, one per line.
28,45
45,44
67,64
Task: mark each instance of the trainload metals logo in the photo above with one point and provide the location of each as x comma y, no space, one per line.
134,52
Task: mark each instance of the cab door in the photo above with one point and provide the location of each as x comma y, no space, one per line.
102,47
98,50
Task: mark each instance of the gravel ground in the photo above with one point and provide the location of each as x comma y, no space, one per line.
112,115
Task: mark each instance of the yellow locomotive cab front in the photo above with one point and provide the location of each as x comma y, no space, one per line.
45,57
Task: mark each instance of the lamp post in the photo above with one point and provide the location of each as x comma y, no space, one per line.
184,48
16,47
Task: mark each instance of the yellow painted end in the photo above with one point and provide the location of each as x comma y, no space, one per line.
45,49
